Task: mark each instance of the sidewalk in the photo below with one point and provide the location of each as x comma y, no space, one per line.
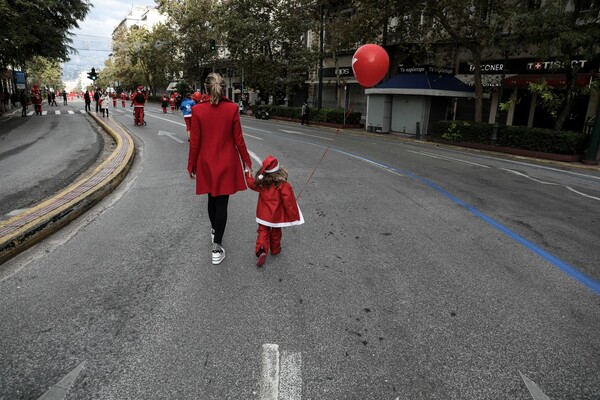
28,228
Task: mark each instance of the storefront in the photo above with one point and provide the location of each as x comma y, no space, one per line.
525,109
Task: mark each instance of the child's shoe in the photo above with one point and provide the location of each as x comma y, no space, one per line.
218,254
262,257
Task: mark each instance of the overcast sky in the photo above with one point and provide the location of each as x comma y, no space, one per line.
93,38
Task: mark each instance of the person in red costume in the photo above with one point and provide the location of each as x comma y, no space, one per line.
216,147
277,207
138,100
123,99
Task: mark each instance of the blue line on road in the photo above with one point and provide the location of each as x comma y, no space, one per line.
563,266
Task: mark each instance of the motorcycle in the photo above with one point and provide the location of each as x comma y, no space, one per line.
262,113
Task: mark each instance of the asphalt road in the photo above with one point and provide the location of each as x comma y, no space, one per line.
422,272
40,155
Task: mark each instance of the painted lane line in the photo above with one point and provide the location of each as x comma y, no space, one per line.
305,134
290,376
255,157
256,129
253,137
269,382
61,389
71,112
534,390
447,158
164,119
565,267
550,183
56,112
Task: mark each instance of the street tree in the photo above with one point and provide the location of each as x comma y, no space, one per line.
267,39
562,32
194,24
46,73
38,28
478,26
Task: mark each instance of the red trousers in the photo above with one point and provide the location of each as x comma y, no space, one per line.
268,238
138,113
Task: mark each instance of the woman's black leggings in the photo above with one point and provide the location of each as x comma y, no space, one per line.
217,213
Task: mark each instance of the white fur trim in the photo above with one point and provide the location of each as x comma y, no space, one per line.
282,224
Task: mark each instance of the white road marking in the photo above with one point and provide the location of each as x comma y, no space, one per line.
305,134
447,158
71,112
534,390
550,183
269,383
253,137
256,129
164,119
171,135
61,389
56,112
255,157
290,376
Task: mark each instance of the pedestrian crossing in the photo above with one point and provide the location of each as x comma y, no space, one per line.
56,112
68,112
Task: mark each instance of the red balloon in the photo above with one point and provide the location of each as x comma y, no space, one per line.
370,63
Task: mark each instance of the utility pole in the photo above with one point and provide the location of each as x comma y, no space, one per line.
321,29
591,153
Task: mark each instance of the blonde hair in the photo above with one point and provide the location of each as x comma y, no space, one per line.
215,86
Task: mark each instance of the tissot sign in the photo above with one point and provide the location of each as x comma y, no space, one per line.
526,66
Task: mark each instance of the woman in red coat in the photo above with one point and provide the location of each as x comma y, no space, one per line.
216,146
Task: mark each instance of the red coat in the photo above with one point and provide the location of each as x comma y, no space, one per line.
216,146
277,206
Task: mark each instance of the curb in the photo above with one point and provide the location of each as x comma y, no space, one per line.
38,222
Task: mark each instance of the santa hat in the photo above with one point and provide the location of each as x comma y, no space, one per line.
269,165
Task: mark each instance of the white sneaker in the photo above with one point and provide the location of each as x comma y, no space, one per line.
218,254
212,235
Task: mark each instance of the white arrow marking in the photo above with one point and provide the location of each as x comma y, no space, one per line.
534,390
61,389
169,134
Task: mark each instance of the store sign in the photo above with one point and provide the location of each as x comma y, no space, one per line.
554,65
423,69
525,66
343,72
20,79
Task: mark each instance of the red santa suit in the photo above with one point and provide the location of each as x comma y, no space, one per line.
123,99
276,208
138,107
216,146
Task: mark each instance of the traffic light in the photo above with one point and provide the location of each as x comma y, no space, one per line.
212,44
93,75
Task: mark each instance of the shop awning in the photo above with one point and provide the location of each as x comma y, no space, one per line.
554,80
424,85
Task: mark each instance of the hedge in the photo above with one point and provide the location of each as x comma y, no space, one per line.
329,115
520,137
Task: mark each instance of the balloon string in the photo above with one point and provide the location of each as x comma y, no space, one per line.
337,131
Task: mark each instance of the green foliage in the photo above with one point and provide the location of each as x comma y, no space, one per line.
328,115
38,28
534,139
551,99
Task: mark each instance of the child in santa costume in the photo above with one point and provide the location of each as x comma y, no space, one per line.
277,207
